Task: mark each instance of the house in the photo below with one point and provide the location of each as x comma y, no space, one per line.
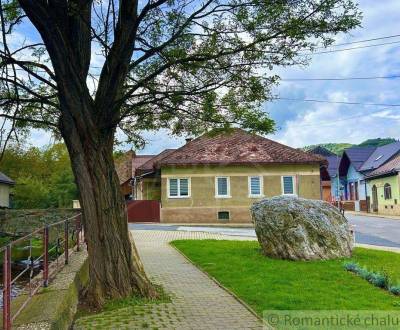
217,176
384,187
358,164
353,187
126,165
329,174
5,190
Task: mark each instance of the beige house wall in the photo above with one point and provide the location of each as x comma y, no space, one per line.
149,189
4,195
202,206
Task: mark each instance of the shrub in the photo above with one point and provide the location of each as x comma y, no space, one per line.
395,290
351,267
380,280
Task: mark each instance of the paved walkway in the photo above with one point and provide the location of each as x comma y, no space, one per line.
197,302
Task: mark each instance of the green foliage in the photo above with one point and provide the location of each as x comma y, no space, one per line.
195,66
267,284
395,290
380,280
377,142
338,148
43,177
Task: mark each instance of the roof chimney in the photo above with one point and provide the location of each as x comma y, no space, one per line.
188,139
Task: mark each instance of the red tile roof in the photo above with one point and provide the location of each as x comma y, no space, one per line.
237,147
127,164
392,166
149,165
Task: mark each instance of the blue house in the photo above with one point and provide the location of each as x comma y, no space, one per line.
353,186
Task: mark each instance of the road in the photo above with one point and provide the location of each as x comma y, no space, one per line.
375,230
369,230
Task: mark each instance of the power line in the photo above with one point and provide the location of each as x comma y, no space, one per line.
326,123
361,41
339,79
336,102
329,123
353,48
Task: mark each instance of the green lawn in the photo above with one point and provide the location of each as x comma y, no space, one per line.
267,284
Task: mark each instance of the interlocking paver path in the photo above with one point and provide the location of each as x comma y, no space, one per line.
197,301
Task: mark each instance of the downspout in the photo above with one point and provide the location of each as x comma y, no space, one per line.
366,194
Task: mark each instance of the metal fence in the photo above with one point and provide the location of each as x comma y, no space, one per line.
56,244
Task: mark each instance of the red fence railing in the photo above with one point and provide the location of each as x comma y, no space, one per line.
41,263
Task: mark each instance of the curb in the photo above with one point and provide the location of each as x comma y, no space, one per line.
250,309
373,215
378,247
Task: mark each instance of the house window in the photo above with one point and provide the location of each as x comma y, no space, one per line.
387,191
223,215
288,185
255,186
222,187
178,188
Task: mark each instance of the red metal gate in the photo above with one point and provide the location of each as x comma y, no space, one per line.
143,211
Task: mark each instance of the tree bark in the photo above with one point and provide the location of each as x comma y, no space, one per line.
115,268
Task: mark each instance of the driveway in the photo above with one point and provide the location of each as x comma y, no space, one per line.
369,230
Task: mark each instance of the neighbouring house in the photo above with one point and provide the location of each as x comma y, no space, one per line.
329,174
5,190
357,164
353,187
217,176
384,187
126,165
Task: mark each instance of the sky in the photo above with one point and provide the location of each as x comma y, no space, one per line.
304,123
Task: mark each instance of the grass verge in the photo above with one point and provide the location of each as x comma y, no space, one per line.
117,311
267,284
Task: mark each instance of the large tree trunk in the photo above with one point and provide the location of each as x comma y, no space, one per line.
114,266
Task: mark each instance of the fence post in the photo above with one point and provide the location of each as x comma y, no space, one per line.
46,256
77,227
66,242
7,288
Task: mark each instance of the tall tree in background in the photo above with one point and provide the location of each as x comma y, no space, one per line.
187,65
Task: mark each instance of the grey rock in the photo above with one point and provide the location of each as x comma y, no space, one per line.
301,229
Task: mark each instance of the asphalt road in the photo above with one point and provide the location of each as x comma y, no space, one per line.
369,230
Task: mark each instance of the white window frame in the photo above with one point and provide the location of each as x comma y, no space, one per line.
261,194
179,187
228,187
294,185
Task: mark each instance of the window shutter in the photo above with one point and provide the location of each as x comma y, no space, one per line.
184,187
255,187
173,187
222,186
288,185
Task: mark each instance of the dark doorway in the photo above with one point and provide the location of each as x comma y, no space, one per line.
374,199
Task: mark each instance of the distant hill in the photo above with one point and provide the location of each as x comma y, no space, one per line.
338,148
377,142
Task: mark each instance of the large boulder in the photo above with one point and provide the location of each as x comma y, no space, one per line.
301,229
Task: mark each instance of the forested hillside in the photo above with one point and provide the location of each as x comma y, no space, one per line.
338,148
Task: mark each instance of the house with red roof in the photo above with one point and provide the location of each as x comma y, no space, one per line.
384,187
368,178
216,177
